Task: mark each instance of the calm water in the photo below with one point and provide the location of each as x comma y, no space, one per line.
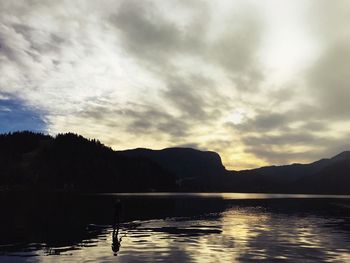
175,228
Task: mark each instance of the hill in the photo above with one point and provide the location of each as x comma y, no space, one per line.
71,162
327,176
193,169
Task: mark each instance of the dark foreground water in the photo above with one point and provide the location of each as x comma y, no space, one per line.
174,228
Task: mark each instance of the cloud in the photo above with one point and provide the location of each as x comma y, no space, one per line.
189,145
265,121
129,120
145,30
307,120
319,127
329,81
194,98
287,138
294,145
161,73
158,41
291,136
154,121
189,100
328,20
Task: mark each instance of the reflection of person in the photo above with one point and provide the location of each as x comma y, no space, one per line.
116,242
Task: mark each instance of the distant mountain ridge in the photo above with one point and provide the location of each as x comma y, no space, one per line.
192,162
194,169
333,178
69,161
204,170
299,178
342,156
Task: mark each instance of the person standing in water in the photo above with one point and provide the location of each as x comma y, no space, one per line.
117,215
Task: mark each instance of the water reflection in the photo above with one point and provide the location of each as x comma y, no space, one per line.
180,228
116,241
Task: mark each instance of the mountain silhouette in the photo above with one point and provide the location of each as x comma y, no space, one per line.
333,178
342,156
323,176
71,162
193,169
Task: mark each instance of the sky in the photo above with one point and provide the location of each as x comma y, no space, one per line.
261,82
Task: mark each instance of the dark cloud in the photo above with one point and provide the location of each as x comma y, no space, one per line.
40,41
189,145
136,119
236,51
284,152
152,120
143,29
14,48
282,149
315,126
304,117
195,97
148,34
298,134
265,121
282,95
329,81
156,40
282,157
285,139
218,145
309,141
188,100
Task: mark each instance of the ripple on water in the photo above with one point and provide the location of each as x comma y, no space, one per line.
237,233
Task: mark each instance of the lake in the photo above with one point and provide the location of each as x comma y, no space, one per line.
168,227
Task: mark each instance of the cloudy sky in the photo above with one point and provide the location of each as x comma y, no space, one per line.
260,82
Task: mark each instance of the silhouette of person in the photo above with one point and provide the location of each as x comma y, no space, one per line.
116,242
117,214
